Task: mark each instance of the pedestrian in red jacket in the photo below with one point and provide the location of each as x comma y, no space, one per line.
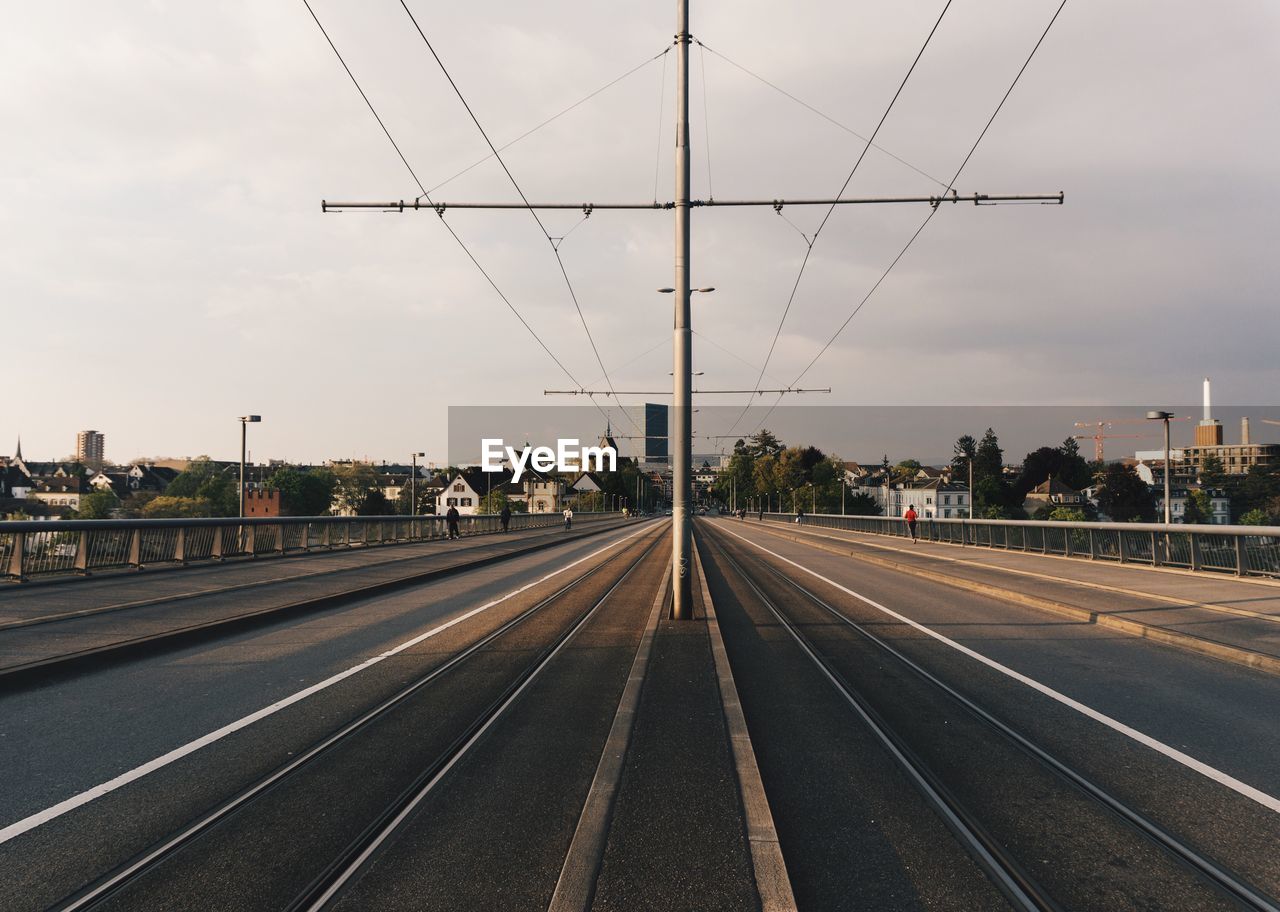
910,517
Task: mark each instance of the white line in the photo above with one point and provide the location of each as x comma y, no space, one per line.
42,817
1268,801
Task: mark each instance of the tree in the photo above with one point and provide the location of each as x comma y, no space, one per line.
167,507
1199,508
1255,517
862,504
764,443
908,466
355,483
204,480
988,458
375,504
304,493
1067,514
494,501
99,505
1212,473
1124,496
964,452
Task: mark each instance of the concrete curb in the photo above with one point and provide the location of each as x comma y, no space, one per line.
575,890
1212,648
772,883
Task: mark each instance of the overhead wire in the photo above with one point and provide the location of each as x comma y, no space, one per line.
825,116
932,211
554,117
532,212
832,208
662,104
448,227
462,244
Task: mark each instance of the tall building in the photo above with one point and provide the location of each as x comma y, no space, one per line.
655,432
90,447
1209,430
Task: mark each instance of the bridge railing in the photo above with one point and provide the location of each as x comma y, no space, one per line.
36,549
1242,550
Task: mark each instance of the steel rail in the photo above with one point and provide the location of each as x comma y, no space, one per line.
114,882
1005,872
352,861
1224,878
16,675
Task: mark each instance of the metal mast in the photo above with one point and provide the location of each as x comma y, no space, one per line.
682,341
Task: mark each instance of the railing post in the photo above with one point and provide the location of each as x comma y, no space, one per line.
1195,551
1155,551
280,538
82,554
304,542
215,552
180,546
1121,548
1093,546
17,556
135,549
251,540
1239,555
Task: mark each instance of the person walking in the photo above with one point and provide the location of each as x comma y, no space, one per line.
568,518
451,520
505,517
910,517
761,513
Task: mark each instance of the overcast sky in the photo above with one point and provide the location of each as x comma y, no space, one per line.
165,267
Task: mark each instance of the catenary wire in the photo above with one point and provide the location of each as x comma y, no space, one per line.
822,114
852,171
662,103
532,212
706,121
932,212
554,117
448,227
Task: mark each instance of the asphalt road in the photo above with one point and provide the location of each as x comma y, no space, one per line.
66,739
1220,714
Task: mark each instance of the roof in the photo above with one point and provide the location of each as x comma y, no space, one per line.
1054,486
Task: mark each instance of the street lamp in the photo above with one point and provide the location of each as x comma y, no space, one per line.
245,421
1168,467
413,484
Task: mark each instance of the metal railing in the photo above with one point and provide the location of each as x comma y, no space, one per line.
37,549
1242,550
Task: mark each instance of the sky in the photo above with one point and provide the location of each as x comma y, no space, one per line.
165,266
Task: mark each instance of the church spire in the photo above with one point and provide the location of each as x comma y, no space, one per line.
18,454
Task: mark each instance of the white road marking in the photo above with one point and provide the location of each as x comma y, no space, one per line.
62,807
1270,802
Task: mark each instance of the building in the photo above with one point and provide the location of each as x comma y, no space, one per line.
655,432
932,498
91,448
1053,493
1220,505
261,502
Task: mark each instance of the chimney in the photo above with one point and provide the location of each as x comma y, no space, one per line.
1208,417
1244,431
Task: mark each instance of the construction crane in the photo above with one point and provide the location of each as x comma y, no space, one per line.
1100,434
1270,421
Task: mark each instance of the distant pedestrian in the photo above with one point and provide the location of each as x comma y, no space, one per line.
451,520
568,518
800,517
761,514
910,517
505,517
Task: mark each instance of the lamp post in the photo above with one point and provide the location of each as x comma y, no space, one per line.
1168,467
245,421
413,484
682,345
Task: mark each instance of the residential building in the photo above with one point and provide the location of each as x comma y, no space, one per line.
1220,513
1053,493
262,502
91,448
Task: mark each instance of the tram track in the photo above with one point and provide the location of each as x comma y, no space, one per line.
852,657
535,635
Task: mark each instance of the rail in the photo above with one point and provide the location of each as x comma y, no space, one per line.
1242,550
81,546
